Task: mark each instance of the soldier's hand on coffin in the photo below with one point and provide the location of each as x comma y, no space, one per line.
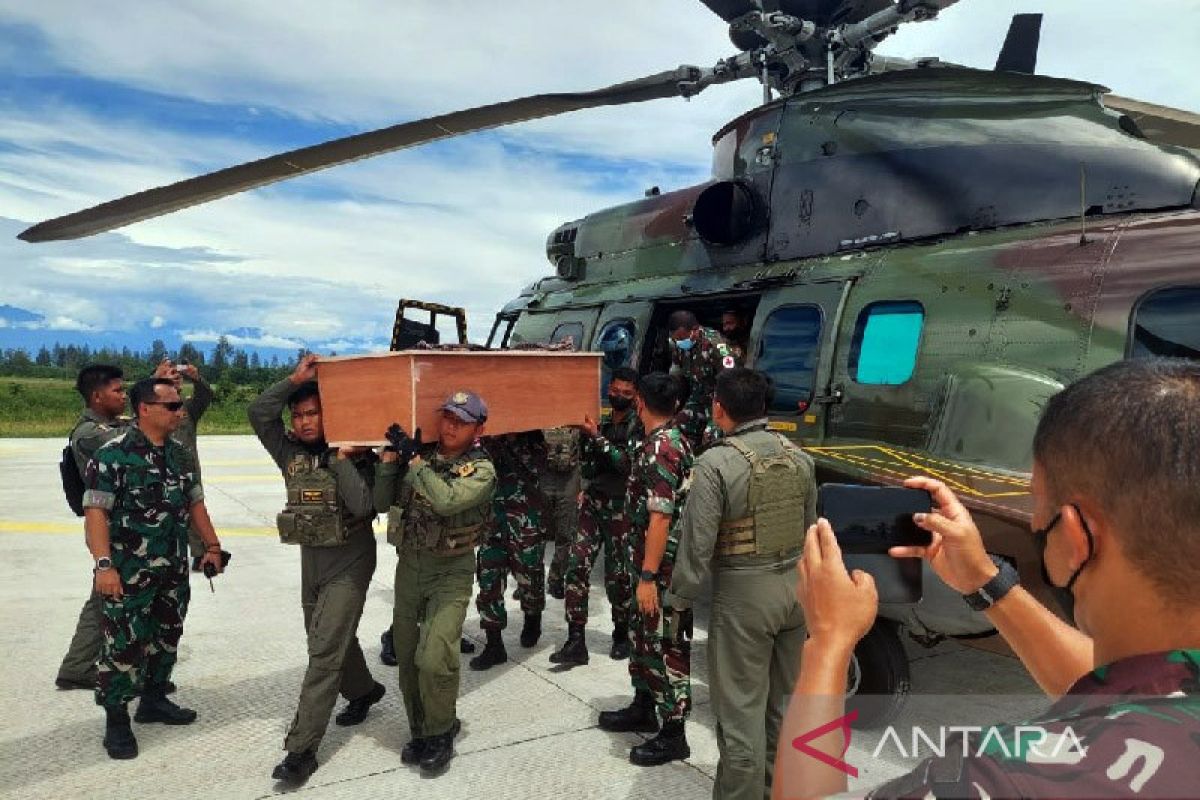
351,452
589,426
306,370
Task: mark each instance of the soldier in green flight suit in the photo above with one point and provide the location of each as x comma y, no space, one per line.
103,390
328,513
751,498
697,354
194,408
438,499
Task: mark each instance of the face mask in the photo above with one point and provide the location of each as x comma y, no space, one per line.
620,403
1062,594
683,344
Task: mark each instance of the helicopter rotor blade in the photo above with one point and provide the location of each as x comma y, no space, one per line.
1020,50
683,81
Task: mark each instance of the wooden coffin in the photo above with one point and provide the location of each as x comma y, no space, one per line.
524,390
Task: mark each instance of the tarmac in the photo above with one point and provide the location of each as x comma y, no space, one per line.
529,729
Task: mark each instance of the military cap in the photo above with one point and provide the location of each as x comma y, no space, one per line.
467,406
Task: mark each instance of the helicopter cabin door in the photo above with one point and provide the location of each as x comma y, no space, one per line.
793,340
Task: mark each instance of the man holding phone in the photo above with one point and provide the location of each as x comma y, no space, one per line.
1125,565
752,496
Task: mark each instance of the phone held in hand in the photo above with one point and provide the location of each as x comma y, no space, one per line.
868,520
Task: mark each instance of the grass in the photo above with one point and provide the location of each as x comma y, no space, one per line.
48,407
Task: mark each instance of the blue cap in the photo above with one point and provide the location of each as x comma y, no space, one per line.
467,406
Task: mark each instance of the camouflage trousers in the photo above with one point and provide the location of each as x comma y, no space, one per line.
562,519
514,545
602,523
141,633
661,662
693,422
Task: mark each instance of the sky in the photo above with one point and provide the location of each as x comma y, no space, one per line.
98,100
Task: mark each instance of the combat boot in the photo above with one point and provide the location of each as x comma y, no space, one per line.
295,767
620,647
493,652
438,752
155,707
466,646
532,631
387,649
574,652
356,710
119,741
638,717
556,589
414,751
670,745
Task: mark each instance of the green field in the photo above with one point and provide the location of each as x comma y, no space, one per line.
50,406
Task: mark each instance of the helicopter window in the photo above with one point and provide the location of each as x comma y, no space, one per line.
1164,324
616,343
886,337
788,347
571,329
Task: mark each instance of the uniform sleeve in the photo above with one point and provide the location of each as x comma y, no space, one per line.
448,498
698,527
87,440
201,399
387,479
266,420
102,479
663,478
352,488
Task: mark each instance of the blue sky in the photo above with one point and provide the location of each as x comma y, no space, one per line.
99,102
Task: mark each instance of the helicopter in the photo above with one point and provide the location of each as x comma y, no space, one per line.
922,253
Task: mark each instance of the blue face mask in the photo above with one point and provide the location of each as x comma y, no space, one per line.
683,344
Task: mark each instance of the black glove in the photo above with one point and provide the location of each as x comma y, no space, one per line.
406,446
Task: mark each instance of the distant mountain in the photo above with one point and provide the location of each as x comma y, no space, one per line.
11,315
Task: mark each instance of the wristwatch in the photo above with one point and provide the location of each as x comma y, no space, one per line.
990,593
103,562
647,575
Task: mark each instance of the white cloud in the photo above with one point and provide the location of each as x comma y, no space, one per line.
266,340
157,321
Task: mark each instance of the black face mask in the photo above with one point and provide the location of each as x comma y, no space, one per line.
1063,594
620,403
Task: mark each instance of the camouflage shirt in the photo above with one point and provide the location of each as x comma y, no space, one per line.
606,458
1129,729
700,365
658,477
519,460
148,492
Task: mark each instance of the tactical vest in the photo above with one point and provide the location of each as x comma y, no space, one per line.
412,523
775,522
562,449
313,514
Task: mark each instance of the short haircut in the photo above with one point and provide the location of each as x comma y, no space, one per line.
303,392
626,374
1126,437
660,393
143,391
743,393
681,319
95,377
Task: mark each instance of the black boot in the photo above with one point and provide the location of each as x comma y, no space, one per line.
493,653
637,717
670,745
414,751
532,630
155,707
438,752
466,646
556,589
295,767
119,740
387,648
620,647
574,651
356,710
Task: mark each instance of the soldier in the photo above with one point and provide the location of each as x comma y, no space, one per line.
328,513
560,485
697,354
438,499
660,667
103,390
515,543
139,503
194,408
736,333
602,522
751,498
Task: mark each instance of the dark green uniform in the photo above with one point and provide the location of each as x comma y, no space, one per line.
561,484
437,511
185,434
748,529
333,577
700,365
79,664
148,492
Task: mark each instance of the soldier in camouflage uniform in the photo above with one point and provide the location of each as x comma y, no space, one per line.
515,543
560,485
328,514
103,392
697,354
194,408
660,667
605,461
139,503
438,499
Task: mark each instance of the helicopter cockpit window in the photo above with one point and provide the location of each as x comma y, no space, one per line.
616,343
886,338
1164,324
788,347
572,329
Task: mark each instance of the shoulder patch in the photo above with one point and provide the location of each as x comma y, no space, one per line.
728,362
465,470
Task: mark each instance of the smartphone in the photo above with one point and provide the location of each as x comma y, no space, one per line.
868,520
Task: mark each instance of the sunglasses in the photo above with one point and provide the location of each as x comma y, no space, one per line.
170,405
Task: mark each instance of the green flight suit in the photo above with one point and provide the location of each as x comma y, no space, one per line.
79,664
333,580
757,628
437,511
185,434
